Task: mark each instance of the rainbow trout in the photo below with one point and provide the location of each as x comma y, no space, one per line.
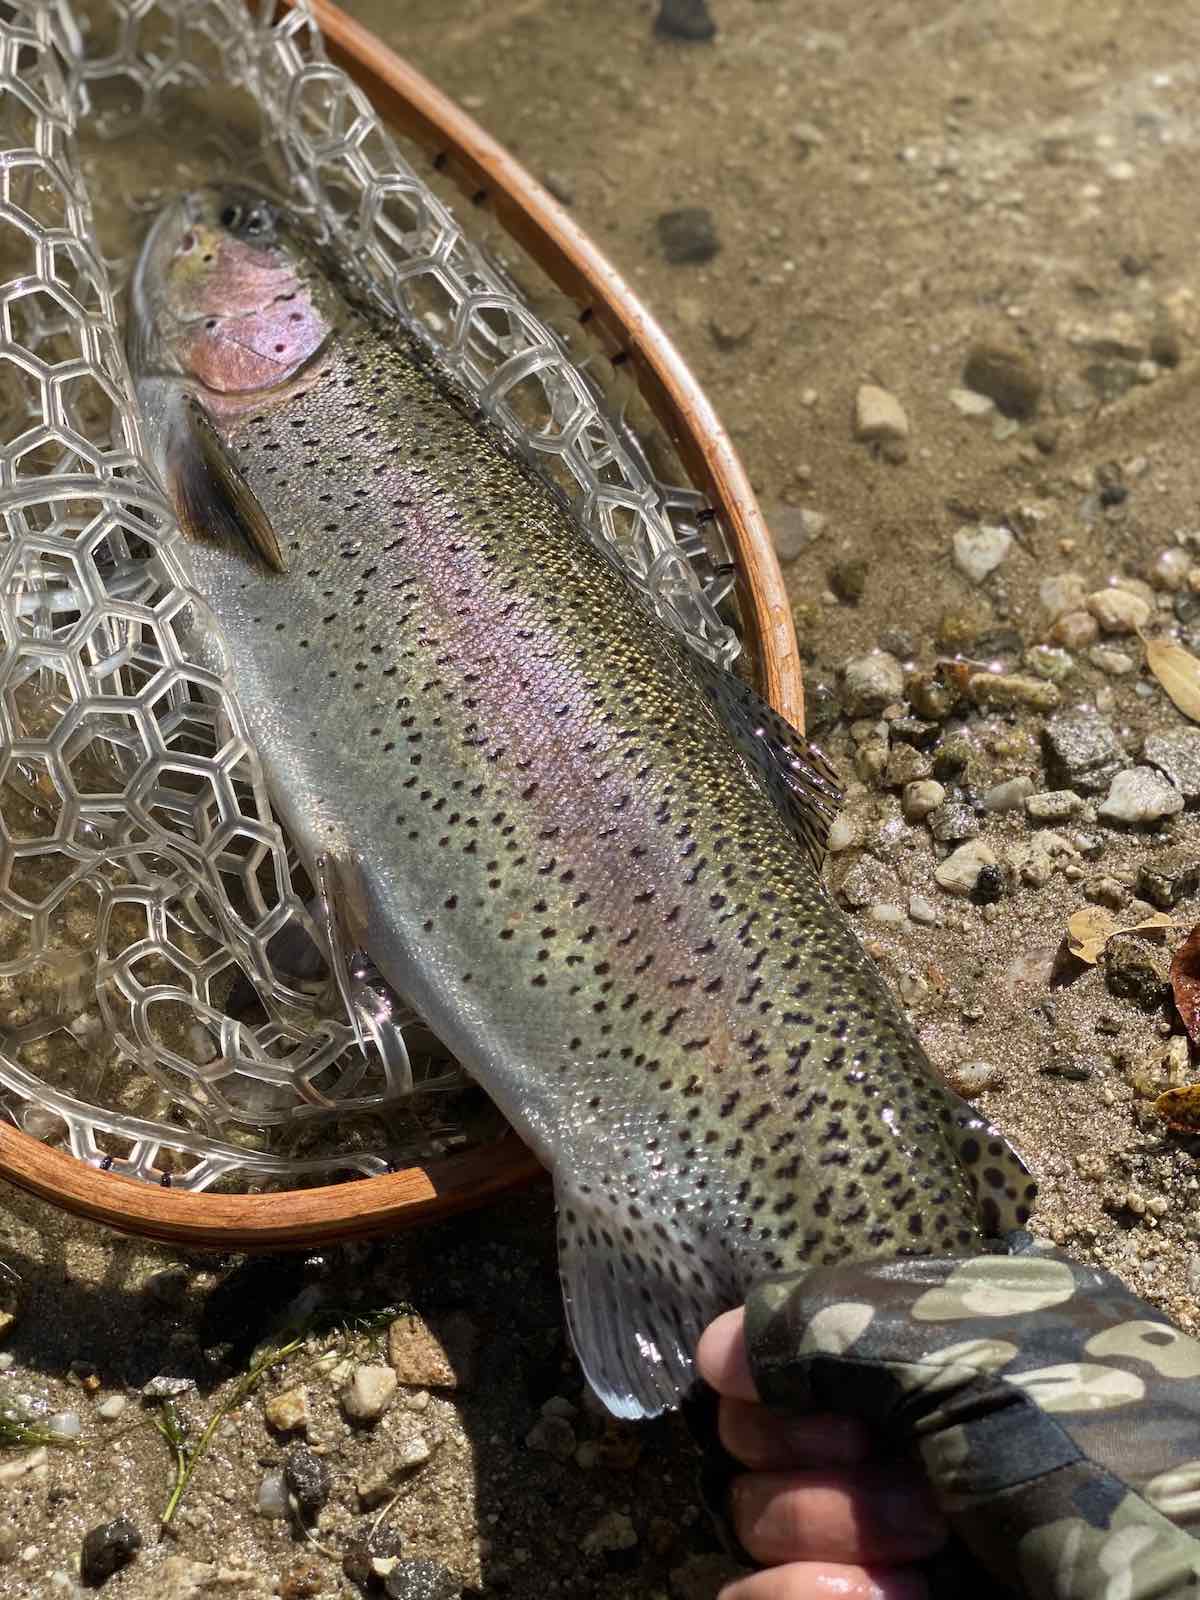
587,858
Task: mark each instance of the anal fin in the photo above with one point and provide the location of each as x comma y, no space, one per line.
636,1302
1004,1186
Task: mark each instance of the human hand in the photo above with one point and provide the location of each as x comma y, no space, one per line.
1057,1418
819,1507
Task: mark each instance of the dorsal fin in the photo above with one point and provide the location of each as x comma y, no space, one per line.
212,499
796,774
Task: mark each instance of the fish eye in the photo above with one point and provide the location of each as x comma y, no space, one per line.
254,221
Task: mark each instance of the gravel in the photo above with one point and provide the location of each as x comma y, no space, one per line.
959,873
1140,795
1082,751
368,1395
979,551
1177,754
1006,375
108,1548
879,418
871,682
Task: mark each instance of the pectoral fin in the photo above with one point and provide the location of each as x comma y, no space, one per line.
213,501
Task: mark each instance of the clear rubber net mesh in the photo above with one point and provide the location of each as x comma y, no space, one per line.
146,889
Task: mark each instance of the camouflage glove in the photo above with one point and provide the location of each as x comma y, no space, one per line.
1057,1416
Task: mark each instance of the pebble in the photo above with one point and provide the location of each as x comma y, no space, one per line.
1118,611
1006,375
415,1578
1082,751
302,1580
844,833
1178,755
922,911
886,912
272,1498
1053,805
905,765
933,695
959,873
181,1578
1075,630
15,1468
435,1353
878,416
1065,591
979,551
107,1549
970,403
1113,662
552,1436
614,1531
871,682
1106,891
848,580
287,1412
1045,661
307,1478
1007,796
1140,795
953,821
973,1077
688,236
369,1393
63,1424
1135,970
1169,877
111,1408
919,799
1012,689
685,19
1169,569
806,137
793,528
381,1482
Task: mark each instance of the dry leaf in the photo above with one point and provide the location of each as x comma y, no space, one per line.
1178,670
1089,930
1180,1108
1185,982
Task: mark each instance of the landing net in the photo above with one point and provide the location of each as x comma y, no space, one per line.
147,1022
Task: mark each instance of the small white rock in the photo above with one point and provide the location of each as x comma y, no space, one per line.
1116,663
959,872
922,797
1064,592
272,1498
1139,794
979,551
287,1412
890,915
368,1394
921,910
1053,805
1118,611
63,1424
1169,569
878,416
871,682
844,833
973,1077
970,404
111,1408
1007,796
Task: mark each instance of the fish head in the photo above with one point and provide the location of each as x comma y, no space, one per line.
226,295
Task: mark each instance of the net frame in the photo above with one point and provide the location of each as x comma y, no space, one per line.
130,796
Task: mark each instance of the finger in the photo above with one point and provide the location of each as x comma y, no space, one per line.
763,1440
804,1580
721,1356
874,1515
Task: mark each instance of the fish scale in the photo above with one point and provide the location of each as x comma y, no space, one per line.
574,847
